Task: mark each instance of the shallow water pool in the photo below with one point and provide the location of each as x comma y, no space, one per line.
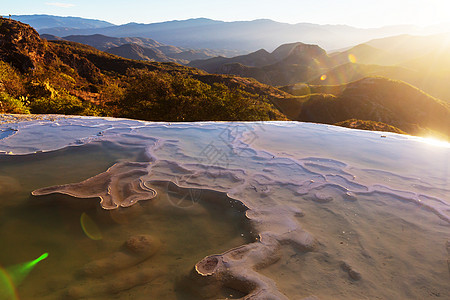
220,210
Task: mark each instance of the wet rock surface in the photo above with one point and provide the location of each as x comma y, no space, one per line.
134,251
120,186
351,272
118,272
314,225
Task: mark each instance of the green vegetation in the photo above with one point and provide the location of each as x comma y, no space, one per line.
65,105
164,97
369,125
375,99
10,81
9,104
68,78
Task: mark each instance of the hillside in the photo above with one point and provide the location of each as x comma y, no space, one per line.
255,59
404,57
422,73
375,99
134,51
392,50
363,54
369,125
65,77
422,61
164,52
103,42
405,47
295,63
435,69
253,35
289,63
41,76
349,72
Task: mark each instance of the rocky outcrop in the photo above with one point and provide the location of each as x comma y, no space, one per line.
21,46
121,271
120,186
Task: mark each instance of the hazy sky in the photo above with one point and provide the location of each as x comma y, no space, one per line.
361,13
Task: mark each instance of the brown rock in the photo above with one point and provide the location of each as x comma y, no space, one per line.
351,272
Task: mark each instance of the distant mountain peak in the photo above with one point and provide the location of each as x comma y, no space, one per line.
284,50
296,52
261,51
43,21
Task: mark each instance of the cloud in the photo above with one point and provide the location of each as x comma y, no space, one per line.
59,4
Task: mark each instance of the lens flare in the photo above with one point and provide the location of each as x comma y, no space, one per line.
40,258
300,89
7,289
323,77
13,276
18,272
90,228
352,58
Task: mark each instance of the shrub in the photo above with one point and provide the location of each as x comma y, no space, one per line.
112,92
164,97
10,80
38,89
63,104
11,105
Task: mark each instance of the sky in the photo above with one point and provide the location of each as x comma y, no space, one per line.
359,13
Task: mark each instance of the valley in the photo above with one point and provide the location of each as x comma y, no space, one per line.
372,85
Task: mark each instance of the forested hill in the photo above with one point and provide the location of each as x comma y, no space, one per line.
63,77
40,76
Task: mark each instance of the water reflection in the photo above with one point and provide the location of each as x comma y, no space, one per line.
99,253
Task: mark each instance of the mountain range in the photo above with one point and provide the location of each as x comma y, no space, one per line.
373,98
202,33
48,21
295,63
71,78
138,48
65,77
426,65
288,64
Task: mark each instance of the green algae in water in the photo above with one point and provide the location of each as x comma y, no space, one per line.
30,225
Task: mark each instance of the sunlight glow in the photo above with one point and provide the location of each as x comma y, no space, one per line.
436,142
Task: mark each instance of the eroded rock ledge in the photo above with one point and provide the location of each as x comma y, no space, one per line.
126,183
120,186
